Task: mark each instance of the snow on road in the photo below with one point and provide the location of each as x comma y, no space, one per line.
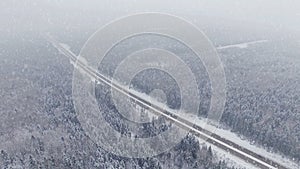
242,45
227,134
204,123
220,153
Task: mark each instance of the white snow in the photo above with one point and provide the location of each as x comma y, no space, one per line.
236,139
82,60
232,160
242,45
220,153
210,126
66,46
227,134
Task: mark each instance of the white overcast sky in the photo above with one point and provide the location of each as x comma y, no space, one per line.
19,15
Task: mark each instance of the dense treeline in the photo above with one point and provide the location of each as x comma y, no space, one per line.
50,135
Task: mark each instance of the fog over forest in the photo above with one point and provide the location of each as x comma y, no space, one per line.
258,43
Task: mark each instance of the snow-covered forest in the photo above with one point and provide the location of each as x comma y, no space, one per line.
258,44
